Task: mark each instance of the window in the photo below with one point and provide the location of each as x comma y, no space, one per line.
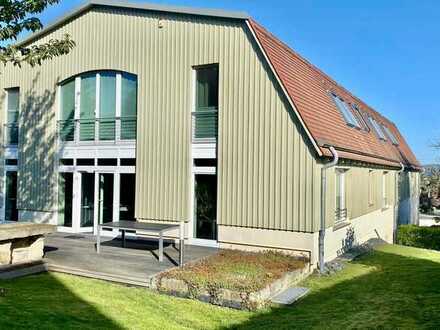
128,161
107,162
85,162
128,106
341,211
377,129
66,162
87,107
370,187
384,190
205,115
98,105
12,109
361,117
390,135
349,117
205,162
11,162
67,114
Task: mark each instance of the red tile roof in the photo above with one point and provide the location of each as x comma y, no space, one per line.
308,88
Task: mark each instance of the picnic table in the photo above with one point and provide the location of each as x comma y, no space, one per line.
149,227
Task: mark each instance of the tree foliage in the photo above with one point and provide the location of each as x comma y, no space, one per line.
19,16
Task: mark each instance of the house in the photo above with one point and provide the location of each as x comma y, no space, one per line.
174,114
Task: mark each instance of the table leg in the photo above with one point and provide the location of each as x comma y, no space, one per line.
123,238
98,241
160,247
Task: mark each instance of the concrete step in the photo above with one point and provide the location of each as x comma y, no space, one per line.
290,295
23,270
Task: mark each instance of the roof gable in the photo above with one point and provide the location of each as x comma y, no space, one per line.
310,90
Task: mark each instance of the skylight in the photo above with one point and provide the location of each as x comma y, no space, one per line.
359,113
346,112
377,129
391,135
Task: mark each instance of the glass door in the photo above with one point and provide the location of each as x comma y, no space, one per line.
205,206
105,202
127,196
11,212
87,201
65,199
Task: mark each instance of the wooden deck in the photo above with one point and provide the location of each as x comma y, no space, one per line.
135,264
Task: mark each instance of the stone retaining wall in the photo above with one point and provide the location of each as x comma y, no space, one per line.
226,297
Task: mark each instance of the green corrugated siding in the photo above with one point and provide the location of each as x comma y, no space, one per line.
357,195
268,177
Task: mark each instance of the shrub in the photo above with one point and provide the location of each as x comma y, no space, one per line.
421,237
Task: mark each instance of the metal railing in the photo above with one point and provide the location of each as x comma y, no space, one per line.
340,215
11,134
205,124
97,129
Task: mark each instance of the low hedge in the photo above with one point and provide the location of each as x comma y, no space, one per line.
421,237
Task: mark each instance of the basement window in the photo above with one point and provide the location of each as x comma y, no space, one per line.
349,117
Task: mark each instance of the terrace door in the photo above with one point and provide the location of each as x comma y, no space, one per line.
87,201
206,206
11,212
106,189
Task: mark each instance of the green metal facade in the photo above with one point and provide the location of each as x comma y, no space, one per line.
268,173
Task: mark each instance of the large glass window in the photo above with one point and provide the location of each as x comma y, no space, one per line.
67,115
107,110
13,103
128,106
95,100
87,107
206,111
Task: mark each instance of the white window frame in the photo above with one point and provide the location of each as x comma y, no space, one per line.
340,180
385,201
345,111
77,111
371,188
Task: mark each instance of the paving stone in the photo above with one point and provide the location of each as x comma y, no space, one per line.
290,295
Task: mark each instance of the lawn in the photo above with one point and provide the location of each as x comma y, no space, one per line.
392,287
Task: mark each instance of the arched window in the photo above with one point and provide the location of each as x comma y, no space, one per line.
99,105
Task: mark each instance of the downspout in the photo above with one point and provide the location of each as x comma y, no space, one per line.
324,168
396,203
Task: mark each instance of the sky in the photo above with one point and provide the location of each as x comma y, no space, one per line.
385,52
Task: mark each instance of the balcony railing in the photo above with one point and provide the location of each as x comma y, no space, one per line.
340,215
100,129
11,134
205,124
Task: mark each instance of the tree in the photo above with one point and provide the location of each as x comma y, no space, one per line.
18,16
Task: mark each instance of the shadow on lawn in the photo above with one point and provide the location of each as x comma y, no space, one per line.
399,292
43,302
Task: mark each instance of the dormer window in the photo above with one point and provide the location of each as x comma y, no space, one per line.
343,107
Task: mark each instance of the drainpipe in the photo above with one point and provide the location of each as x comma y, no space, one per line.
396,203
323,206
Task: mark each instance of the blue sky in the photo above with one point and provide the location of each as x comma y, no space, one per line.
385,52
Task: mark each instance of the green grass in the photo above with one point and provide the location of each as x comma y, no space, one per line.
393,287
